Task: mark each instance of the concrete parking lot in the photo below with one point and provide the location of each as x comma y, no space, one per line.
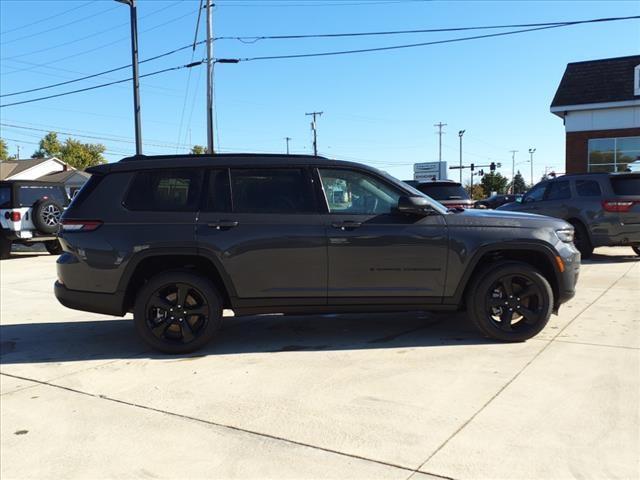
347,396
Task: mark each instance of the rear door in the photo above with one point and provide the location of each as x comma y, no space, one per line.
375,254
263,227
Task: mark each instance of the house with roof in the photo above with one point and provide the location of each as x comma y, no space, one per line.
44,170
599,102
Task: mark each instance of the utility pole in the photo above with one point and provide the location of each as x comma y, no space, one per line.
531,152
440,132
18,157
513,168
136,79
314,129
209,78
287,140
460,134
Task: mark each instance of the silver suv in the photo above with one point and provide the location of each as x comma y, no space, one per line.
604,208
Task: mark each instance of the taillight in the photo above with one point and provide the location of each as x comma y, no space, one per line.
80,225
617,206
15,216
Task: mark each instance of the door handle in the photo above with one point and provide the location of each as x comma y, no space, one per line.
346,225
223,224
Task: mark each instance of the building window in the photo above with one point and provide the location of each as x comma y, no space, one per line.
613,154
636,80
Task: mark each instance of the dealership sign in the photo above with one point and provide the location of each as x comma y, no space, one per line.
428,171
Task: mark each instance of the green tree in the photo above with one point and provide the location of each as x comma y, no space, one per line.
82,155
74,152
519,185
50,146
493,182
4,151
198,150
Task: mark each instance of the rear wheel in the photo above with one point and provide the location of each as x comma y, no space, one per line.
581,240
178,312
636,249
53,247
511,302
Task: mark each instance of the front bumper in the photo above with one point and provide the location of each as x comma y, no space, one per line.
107,303
568,278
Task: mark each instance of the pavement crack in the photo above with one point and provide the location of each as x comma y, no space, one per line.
223,425
517,374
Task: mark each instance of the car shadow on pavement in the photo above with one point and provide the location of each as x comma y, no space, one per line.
598,258
112,339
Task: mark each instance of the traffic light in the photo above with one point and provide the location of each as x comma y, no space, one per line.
472,167
492,167
481,173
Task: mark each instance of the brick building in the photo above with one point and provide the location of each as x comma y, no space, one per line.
599,101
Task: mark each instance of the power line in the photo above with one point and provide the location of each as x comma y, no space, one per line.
91,137
253,39
99,47
41,32
421,44
189,65
45,19
396,32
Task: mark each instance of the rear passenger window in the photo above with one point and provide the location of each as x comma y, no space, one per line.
558,191
283,190
219,193
588,188
165,191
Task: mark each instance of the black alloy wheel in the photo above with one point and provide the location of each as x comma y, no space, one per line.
178,312
512,301
581,240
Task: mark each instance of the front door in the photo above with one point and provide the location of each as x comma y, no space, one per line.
263,226
375,253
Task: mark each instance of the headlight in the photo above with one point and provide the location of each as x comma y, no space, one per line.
565,235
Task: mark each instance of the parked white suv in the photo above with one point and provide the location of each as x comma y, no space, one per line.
29,213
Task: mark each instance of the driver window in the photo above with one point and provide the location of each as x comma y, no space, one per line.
535,194
357,193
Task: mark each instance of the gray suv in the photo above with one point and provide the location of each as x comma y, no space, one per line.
175,239
604,208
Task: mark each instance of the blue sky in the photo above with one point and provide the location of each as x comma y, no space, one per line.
379,108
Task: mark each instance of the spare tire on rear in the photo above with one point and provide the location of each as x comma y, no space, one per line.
46,216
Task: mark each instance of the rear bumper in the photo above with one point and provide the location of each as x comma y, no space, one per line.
107,303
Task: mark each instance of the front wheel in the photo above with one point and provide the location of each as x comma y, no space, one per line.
177,312
510,302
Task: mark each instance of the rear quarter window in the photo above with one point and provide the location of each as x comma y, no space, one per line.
588,188
165,191
626,185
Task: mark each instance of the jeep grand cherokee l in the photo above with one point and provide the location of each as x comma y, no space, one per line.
175,239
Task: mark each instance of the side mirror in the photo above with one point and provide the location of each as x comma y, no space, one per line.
520,199
413,205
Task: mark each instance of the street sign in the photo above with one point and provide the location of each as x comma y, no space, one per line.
426,171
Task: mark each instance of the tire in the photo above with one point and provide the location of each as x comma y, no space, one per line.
581,240
5,248
636,249
53,247
46,216
529,294
159,312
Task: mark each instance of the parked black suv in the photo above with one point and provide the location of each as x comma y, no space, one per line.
604,208
177,239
